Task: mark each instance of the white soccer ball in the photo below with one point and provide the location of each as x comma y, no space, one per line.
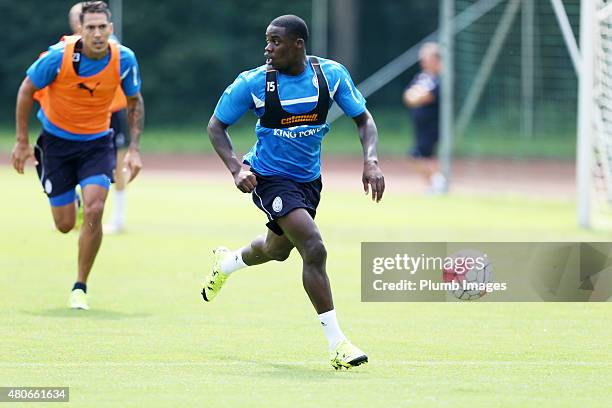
471,270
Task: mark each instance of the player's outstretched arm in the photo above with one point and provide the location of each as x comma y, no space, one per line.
136,114
373,178
22,151
222,143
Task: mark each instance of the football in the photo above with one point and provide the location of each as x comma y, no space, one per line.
472,270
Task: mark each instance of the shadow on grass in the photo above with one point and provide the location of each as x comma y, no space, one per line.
98,314
322,373
294,371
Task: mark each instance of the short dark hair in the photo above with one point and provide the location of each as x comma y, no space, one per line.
295,26
94,7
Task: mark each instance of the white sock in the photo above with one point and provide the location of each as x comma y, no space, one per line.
119,207
331,328
233,262
438,180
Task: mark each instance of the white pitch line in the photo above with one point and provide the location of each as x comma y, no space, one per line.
415,363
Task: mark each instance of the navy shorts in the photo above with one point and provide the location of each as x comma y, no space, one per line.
425,145
119,124
62,164
278,196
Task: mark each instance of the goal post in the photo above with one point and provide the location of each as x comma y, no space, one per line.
447,29
529,77
584,147
594,159
514,69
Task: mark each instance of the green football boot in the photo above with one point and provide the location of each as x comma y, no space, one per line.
346,355
215,280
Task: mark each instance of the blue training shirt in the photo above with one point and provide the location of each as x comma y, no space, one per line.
294,152
45,69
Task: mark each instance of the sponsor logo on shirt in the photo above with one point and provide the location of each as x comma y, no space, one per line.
300,118
89,89
297,134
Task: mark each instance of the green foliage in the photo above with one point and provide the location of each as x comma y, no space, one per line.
189,51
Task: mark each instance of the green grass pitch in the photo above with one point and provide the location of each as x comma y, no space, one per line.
149,340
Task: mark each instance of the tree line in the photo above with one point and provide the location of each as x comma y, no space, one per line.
189,51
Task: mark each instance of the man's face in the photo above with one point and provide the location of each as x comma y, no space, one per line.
95,31
430,62
281,50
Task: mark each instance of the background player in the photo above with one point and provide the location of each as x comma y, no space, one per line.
81,75
121,138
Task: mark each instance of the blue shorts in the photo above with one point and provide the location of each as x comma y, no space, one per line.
278,196
62,164
121,131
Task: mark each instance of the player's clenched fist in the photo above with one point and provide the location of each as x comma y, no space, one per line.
245,181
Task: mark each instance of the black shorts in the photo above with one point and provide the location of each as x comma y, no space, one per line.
62,164
119,124
278,196
424,145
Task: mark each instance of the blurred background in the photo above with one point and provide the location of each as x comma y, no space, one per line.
189,51
514,90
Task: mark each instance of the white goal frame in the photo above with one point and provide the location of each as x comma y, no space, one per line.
583,60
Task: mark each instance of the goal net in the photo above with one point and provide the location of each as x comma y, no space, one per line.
519,74
514,77
602,110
